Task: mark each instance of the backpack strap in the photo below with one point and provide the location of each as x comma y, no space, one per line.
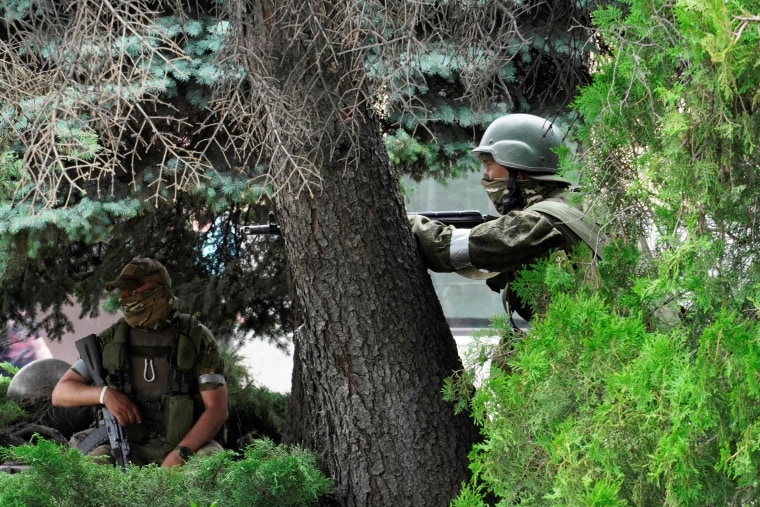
575,219
115,361
185,351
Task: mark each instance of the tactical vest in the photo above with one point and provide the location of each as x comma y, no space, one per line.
573,219
157,370
574,224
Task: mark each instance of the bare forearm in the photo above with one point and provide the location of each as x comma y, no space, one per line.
207,426
74,393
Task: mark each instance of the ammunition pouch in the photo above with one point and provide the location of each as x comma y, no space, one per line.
178,417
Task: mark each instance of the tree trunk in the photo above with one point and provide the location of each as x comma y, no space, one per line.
374,348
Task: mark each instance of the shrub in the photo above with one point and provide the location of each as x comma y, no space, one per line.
597,405
263,475
10,412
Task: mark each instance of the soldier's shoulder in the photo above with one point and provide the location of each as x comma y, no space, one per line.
110,332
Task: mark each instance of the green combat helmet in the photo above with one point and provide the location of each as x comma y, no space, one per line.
523,141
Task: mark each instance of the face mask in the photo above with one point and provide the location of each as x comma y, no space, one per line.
505,193
148,308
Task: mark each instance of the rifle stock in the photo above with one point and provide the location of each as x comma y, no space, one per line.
466,219
90,354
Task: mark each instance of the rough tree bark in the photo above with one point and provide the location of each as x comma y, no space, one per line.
374,348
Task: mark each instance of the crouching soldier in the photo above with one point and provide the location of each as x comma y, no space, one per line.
164,374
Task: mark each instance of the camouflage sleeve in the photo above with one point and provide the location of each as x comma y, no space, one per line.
500,245
105,336
433,241
210,368
510,241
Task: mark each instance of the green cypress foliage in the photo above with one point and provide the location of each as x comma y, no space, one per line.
263,474
608,403
637,384
10,412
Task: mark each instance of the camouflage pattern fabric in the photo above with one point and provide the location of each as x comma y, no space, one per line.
503,244
139,271
148,308
509,242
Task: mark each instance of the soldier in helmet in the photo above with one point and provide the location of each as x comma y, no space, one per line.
520,178
165,376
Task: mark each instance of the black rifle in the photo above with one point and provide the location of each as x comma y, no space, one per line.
459,219
90,354
270,228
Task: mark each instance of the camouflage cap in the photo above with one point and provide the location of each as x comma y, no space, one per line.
139,271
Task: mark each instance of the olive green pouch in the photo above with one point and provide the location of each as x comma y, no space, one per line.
179,417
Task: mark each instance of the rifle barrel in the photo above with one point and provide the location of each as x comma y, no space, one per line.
270,228
465,219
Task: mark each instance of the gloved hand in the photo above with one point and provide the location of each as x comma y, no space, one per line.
433,239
